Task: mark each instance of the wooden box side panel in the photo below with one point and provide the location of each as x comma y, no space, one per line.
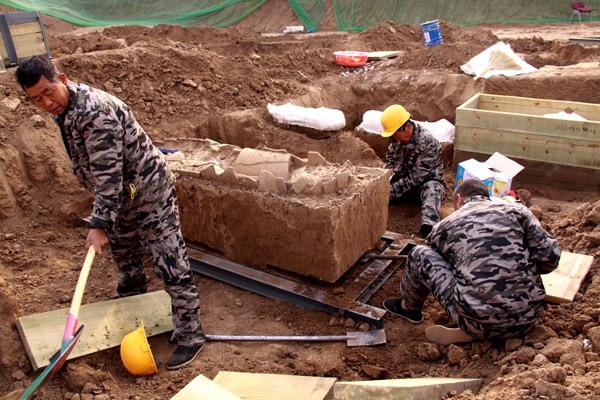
550,140
535,107
553,175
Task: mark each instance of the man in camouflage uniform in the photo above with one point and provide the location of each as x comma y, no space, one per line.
484,267
415,157
135,206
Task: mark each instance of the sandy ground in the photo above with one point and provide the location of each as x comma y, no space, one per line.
236,72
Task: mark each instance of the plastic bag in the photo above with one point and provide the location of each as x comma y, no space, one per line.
323,119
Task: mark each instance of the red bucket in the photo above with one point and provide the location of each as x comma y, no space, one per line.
351,58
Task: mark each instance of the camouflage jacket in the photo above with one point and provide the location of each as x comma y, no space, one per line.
414,163
111,154
497,251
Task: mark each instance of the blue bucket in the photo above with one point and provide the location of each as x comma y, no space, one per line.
431,33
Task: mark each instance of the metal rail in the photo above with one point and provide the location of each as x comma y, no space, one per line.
279,288
586,40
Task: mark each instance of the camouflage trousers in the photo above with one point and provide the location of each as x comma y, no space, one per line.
431,194
427,271
150,226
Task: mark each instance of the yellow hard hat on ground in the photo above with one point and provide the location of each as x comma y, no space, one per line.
136,354
393,118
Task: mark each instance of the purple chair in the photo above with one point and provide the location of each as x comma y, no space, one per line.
580,8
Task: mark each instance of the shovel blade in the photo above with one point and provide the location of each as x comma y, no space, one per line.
56,361
368,338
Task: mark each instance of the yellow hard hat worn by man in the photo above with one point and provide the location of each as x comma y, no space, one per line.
415,158
393,118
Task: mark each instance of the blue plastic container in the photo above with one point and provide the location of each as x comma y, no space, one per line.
432,34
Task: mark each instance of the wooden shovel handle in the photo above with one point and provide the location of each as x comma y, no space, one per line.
83,275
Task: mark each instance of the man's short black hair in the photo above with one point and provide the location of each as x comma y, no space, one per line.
472,187
30,71
404,126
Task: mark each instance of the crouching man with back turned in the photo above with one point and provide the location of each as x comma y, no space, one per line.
483,266
135,208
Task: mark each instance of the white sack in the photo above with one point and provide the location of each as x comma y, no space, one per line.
442,130
323,119
371,122
481,61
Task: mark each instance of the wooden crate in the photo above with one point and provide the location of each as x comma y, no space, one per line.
23,36
554,151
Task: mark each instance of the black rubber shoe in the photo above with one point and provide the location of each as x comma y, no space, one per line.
394,305
183,355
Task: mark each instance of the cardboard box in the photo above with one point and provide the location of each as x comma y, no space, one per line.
497,172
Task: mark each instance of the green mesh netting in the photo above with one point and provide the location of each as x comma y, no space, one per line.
309,12
349,14
215,13
142,12
362,14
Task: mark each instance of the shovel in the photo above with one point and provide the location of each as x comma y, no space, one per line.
352,339
71,335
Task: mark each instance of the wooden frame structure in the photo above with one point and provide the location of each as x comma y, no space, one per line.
554,151
23,36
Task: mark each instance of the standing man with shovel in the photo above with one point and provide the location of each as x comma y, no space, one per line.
135,207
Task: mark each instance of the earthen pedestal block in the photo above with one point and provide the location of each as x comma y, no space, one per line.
320,234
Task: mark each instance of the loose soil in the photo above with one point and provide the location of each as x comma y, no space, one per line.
216,83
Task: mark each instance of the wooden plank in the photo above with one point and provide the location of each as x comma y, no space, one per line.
405,389
531,106
558,149
249,386
106,323
380,55
471,104
24,28
564,282
202,388
29,45
531,124
553,175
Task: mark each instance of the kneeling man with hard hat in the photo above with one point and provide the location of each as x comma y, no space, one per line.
415,158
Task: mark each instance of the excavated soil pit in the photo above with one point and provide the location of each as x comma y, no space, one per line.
216,84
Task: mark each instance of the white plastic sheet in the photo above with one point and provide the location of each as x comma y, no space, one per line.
323,119
442,130
481,62
566,115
